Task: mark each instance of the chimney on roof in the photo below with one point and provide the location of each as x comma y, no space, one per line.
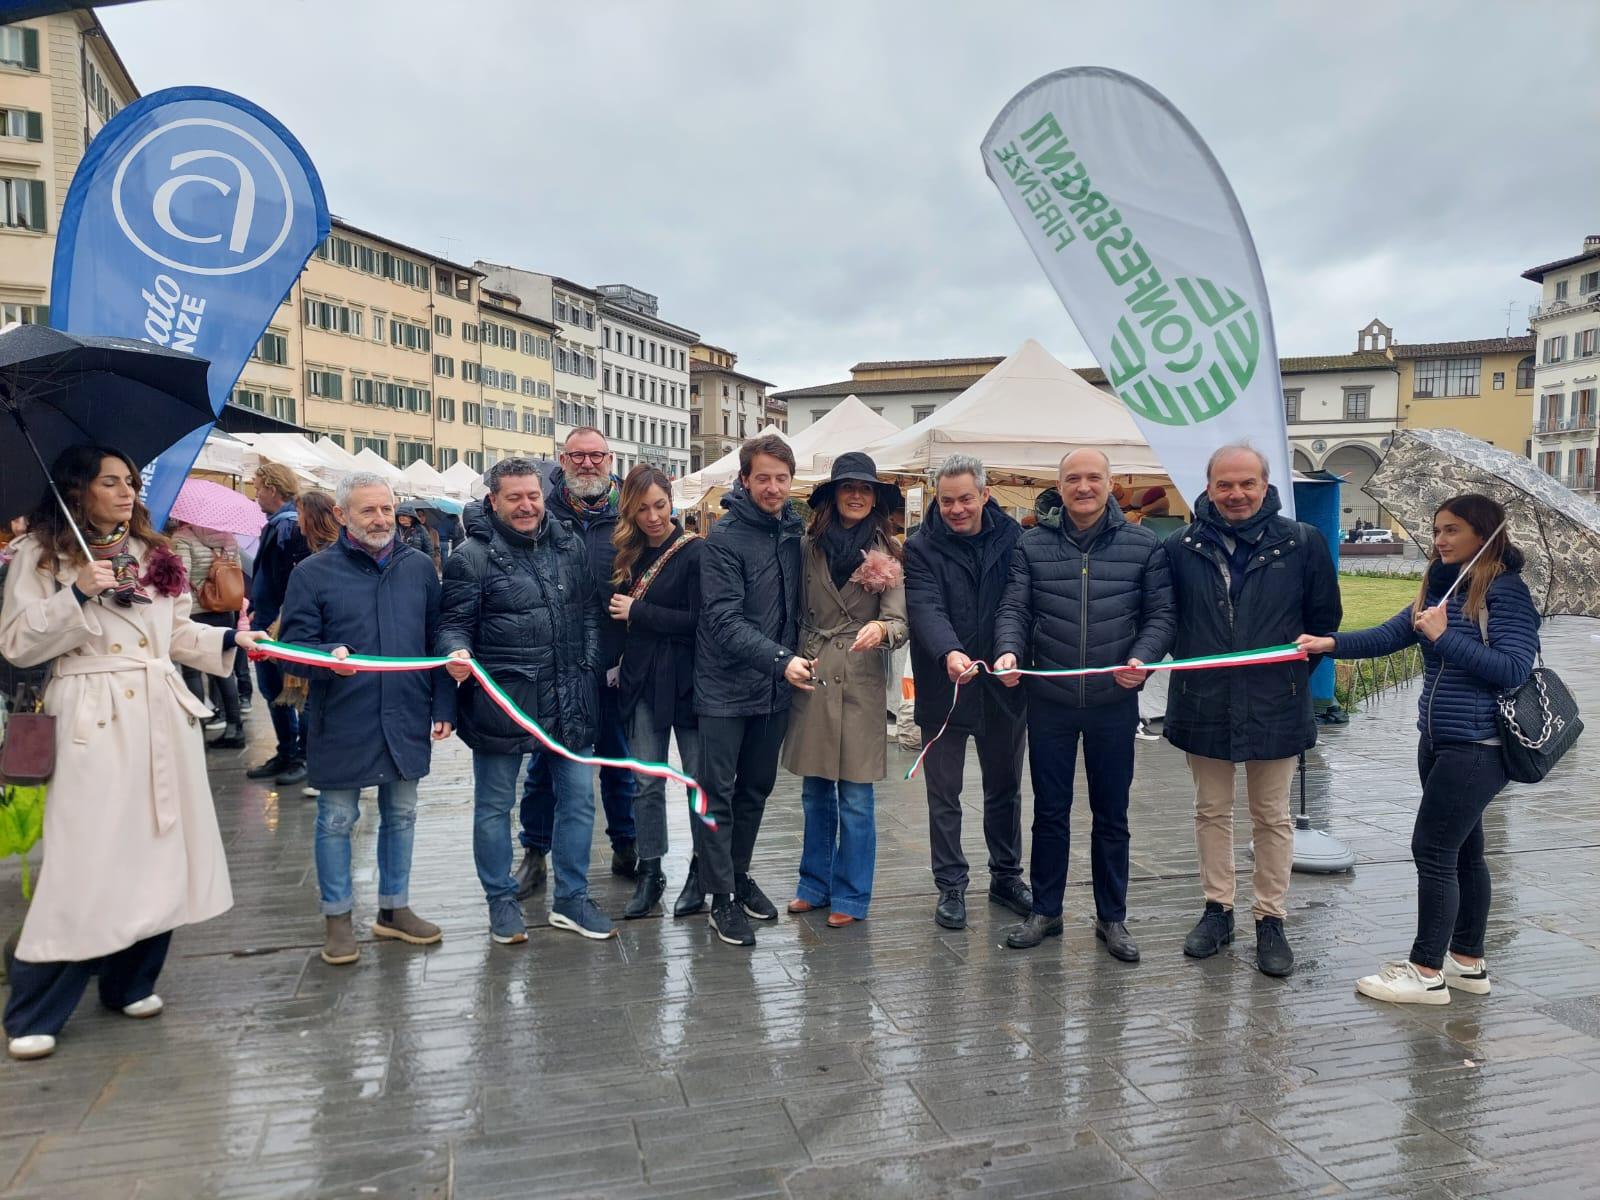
1591,243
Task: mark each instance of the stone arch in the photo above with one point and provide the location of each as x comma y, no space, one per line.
1301,461
1354,462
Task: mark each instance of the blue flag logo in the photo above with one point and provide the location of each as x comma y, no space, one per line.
189,219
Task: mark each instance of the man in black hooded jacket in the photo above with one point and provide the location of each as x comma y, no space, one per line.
745,671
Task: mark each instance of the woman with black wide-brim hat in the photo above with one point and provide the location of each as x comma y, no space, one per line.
855,606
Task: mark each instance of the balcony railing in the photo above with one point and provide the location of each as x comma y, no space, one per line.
1578,423
1579,482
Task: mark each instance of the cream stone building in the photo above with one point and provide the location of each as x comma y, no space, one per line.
60,82
517,378
725,405
644,382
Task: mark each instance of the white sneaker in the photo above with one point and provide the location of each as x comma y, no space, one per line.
36,1045
1400,982
1464,978
1145,734
150,1006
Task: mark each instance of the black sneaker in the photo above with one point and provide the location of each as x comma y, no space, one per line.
292,773
1273,955
531,873
753,900
232,739
625,860
951,912
1212,933
1010,891
730,924
268,769
1033,931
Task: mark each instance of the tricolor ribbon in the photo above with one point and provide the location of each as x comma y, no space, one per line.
266,648
1288,652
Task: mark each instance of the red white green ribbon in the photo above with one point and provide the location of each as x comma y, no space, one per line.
266,648
1288,652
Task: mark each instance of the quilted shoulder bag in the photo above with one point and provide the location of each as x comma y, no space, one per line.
1538,721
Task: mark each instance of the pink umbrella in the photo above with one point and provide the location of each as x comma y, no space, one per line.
208,505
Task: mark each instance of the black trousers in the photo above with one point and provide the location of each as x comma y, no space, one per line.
1000,749
738,766
44,995
1458,781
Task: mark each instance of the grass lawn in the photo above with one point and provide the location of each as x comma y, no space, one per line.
1373,599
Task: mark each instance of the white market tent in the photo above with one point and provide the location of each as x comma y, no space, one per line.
1019,419
321,463
849,425
421,476
368,459
222,454
460,478
690,489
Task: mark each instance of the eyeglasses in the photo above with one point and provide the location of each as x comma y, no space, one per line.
595,456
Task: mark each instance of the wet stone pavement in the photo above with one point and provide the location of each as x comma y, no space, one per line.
888,1059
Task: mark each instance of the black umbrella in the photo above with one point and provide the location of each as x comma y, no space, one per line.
63,390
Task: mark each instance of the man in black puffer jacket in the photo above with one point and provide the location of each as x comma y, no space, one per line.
1087,589
1245,578
745,671
519,597
957,564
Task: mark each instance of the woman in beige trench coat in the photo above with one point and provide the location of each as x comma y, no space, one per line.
132,849
855,607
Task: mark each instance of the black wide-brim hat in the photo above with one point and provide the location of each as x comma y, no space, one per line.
860,468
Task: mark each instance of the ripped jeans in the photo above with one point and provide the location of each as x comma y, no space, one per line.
337,812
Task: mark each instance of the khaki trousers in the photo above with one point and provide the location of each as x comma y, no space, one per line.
1267,782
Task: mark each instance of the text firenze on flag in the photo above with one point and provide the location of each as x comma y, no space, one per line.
1143,240
190,216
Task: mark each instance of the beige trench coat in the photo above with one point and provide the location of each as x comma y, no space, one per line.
838,731
131,842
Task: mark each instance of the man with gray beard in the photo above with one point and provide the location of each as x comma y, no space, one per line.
582,495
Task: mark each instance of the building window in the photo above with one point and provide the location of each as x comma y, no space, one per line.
471,412
379,446
282,406
1525,374
19,48
474,459
1586,343
1499,383
24,314
1589,283
20,123
1356,402
1561,290
247,398
1555,349
1427,378
444,365
272,348
1291,405
921,412
446,408
1461,376
441,325
22,202
329,385
471,372
469,332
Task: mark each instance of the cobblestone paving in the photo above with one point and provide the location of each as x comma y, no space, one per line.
888,1059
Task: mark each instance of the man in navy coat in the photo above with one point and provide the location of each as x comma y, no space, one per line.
368,593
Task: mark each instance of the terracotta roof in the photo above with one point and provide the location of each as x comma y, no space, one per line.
1514,345
901,363
1538,273
699,367
1364,360
339,223
883,387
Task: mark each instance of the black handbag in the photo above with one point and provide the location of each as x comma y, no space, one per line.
1538,721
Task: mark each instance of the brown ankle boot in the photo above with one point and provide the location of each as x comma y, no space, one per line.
340,947
404,925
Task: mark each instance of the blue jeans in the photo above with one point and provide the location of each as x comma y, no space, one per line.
840,850
494,778
1107,734
650,744
618,787
337,812
285,718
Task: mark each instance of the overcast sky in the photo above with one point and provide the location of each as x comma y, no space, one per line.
801,182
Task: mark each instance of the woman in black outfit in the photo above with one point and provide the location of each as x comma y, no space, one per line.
657,593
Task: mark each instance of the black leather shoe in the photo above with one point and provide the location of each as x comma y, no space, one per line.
652,883
1119,942
952,910
625,860
1273,955
531,873
294,772
1013,893
1213,931
232,739
693,897
753,900
1033,931
268,769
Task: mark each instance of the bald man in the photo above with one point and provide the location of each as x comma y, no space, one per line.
1087,589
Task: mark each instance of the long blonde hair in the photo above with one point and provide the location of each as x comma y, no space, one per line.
1488,521
627,537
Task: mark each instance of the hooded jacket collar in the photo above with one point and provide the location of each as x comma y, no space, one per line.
1211,521
741,507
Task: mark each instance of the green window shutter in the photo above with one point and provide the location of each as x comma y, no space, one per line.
30,49
36,204
35,127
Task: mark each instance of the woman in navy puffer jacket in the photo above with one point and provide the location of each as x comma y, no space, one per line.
1480,643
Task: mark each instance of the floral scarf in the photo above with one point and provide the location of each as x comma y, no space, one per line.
165,571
